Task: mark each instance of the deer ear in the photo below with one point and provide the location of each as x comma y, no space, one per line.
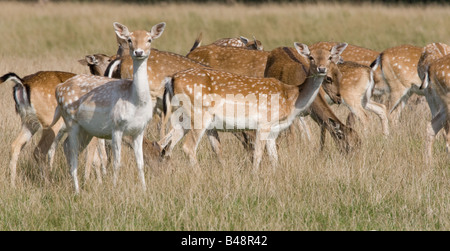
83,62
302,49
336,52
121,31
244,40
91,60
157,30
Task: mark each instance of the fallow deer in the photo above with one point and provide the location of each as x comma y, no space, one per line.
290,68
239,61
113,108
437,78
241,42
265,98
399,69
97,63
231,59
433,67
34,96
356,88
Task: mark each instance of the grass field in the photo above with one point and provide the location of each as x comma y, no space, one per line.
385,185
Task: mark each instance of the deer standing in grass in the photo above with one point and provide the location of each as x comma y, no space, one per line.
34,96
254,63
269,98
434,70
111,110
399,69
356,90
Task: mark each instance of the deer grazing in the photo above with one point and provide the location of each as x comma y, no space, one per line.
34,96
113,108
433,68
264,98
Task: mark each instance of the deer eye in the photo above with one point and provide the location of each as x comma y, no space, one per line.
129,40
149,40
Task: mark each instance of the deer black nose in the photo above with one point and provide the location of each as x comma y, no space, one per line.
138,53
321,70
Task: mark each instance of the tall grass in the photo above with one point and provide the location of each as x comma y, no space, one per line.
385,185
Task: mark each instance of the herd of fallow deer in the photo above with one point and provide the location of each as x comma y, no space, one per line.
231,85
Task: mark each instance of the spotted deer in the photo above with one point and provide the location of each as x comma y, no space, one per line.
363,56
240,42
290,68
107,108
232,59
356,88
438,79
433,69
238,60
34,96
399,68
264,98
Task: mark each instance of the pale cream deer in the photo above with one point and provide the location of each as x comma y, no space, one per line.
269,98
111,110
34,96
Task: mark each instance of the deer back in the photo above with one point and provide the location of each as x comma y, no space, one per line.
231,59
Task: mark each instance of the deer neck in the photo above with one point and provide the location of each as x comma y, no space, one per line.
307,92
141,89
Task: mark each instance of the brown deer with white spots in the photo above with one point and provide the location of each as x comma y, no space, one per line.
434,70
399,68
290,68
107,108
356,88
264,98
34,96
232,59
240,42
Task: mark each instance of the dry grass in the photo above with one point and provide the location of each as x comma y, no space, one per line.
383,186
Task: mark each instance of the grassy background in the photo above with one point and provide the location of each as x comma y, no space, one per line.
384,186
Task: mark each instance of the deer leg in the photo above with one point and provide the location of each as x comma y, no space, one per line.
300,122
137,147
398,101
193,138
76,142
101,149
27,131
261,136
92,159
171,139
117,147
214,140
322,136
432,129
380,111
59,127
271,146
